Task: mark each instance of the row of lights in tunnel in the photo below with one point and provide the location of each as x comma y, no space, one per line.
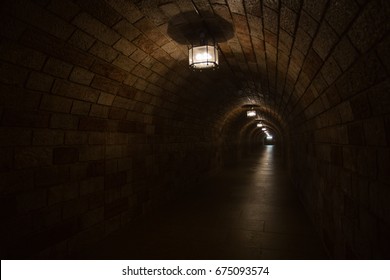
253,113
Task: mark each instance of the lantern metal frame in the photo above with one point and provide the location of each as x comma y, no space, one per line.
211,60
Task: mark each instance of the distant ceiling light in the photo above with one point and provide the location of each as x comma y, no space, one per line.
203,57
269,137
263,129
251,113
259,125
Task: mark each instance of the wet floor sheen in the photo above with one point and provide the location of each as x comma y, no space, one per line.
249,211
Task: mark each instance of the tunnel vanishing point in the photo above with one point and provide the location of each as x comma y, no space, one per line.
103,123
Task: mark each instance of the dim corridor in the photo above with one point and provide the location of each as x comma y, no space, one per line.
249,211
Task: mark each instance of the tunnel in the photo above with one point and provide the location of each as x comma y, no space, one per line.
110,142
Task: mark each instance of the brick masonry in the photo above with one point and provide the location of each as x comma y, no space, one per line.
102,121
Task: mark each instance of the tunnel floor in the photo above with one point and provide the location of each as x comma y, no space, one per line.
249,211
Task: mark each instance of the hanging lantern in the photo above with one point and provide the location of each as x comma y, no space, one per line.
203,57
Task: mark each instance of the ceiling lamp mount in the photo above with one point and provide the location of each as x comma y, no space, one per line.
204,55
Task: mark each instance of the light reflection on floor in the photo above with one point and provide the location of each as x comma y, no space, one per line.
246,212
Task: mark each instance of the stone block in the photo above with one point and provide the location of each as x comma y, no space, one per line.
96,168
96,28
25,119
288,20
344,53
31,200
100,10
270,18
124,63
308,24
109,71
360,106
356,134
74,208
379,98
117,138
142,71
81,108
56,104
64,9
96,138
65,155
324,41
47,137
105,84
113,224
330,71
56,48
127,30
112,195
114,151
144,44
115,180
125,47
96,200
75,91
39,81
57,68
51,176
345,111
92,124
111,166
15,27
64,121
82,40
103,51
373,21
117,113
126,8
78,171
33,157
12,75
315,9
99,111
383,165
40,18
89,153
81,76
340,14
115,208
16,181
92,185
21,55
139,55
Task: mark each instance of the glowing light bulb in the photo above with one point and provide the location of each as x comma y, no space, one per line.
203,56
251,113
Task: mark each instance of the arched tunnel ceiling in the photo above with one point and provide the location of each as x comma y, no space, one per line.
279,55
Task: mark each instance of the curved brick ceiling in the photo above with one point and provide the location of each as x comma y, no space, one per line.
282,55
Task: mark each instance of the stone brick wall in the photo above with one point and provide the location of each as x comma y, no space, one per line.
99,124
340,141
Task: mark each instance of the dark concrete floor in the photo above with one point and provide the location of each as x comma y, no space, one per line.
245,212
